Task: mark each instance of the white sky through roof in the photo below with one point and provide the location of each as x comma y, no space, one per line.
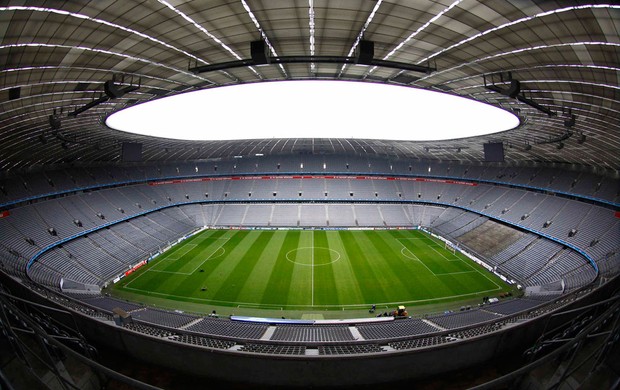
313,109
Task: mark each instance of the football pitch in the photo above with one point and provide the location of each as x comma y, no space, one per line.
309,270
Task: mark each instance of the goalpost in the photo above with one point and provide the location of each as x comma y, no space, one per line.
450,247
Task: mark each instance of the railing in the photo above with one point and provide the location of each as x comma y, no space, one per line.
42,354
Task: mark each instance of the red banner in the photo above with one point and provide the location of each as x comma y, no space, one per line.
135,267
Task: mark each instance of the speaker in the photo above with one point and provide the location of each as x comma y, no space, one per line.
55,122
15,93
494,152
111,90
364,52
514,89
259,52
131,152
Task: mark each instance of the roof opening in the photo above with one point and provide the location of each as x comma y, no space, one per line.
313,109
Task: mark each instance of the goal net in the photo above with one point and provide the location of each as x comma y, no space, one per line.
450,247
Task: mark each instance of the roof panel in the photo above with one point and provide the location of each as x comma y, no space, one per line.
157,45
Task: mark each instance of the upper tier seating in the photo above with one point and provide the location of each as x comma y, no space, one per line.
579,183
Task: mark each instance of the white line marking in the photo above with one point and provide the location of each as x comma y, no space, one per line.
198,266
469,265
137,277
185,250
473,269
361,305
455,273
312,278
442,255
416,258
490,280
311,249
211,255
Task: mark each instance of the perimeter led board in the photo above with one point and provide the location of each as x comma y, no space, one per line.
313,109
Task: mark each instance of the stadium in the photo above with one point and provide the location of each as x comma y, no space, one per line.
280,236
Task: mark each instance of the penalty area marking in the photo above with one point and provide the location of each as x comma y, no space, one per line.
181,252
220,251
473,269
402,251
430,246
456,258
405,249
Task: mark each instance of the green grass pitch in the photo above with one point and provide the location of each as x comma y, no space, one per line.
309,270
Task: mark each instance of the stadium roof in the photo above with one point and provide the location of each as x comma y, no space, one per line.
56,57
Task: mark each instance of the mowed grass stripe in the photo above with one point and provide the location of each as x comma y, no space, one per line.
365,274
153,281
256,284
390,281
433,258
300,286
186,247
449,279
190,286
206,250
384,260
195,239
326,288
415,279
462,265
215,269
179,286
196,242
180,248
278,285
425,284
347,286
240,261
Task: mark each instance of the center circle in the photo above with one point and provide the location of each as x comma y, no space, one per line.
313,256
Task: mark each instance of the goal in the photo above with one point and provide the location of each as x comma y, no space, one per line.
450,247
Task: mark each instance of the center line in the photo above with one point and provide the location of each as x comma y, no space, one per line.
312,267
